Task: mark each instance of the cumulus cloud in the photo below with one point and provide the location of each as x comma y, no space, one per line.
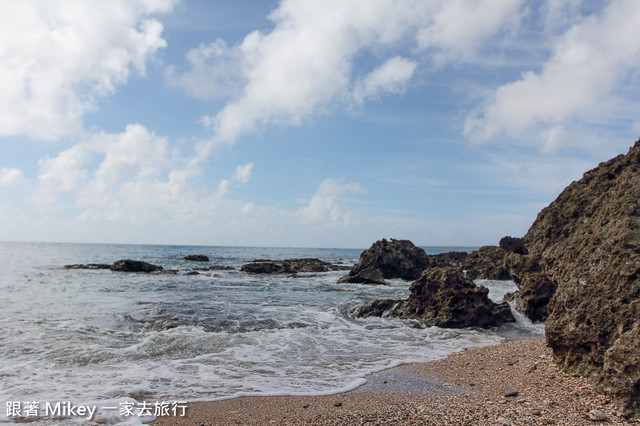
57,58
305,64
461,27
591,61
389,77
10,176
243,173
327,207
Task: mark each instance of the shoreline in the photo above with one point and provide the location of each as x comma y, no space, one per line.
513,383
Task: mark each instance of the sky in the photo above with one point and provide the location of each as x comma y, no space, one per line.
306,123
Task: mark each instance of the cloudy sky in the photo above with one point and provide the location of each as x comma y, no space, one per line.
317,123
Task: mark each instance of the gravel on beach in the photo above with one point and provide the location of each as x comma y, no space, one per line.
516,383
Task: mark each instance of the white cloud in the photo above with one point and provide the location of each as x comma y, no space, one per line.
461,27
590,61
304,65
214,71
58,57
326,206
389,77
10,176
243,173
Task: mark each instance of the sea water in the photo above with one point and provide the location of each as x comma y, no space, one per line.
105,339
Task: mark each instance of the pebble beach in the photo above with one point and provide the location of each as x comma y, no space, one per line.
515,383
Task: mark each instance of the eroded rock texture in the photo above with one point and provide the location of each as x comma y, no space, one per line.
443,297
587,242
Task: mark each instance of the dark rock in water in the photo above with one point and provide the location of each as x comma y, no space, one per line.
513,245
288,266
221,268
197,258
394,259
264,267
127,265
535,289
89,266
366,276
120,266
443,297
587,242
486,263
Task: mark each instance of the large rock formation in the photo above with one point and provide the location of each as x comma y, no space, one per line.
587,242
389,259
443,297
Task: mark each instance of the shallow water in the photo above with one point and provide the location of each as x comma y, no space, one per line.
98,337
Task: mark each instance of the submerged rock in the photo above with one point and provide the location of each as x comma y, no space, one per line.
89,266
128,265
443,297
393,259
196,258
125,265
587,242
289,266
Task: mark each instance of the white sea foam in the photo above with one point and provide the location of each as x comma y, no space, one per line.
99,337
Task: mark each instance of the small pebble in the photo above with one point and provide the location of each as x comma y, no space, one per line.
504,421
338,404
597,416
511,393
536,412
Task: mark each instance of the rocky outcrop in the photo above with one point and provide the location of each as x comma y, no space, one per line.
125,265
513,245
587,242
486,263
196,258
389,259
443,297
289,266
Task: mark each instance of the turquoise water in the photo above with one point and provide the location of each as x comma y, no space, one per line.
101,337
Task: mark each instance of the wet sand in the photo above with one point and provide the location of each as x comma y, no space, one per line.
515,383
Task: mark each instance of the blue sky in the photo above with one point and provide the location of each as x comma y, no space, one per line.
327,123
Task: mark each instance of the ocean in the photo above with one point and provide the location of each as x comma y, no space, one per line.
112,340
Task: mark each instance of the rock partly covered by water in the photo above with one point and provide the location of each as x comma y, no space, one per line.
289,266
197,258
443,297
125,265
587,242
389,259
535,288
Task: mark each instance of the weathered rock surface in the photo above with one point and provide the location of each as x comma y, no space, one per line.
125,265
88,266
513,245
587,242
289,266
128,265
535,289
486,263
197,258
443,297
393,259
